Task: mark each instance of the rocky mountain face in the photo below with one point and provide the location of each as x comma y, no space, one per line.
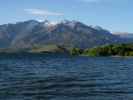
66,34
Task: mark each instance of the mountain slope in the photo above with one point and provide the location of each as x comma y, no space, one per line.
68,34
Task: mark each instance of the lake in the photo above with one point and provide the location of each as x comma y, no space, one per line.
63,77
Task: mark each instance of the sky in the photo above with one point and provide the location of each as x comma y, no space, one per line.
114,15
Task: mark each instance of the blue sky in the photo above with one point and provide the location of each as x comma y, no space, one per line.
114,15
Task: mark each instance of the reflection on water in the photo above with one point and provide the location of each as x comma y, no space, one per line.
61,77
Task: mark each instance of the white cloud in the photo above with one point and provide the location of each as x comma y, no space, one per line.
41,12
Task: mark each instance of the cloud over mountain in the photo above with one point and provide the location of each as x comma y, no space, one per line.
42,12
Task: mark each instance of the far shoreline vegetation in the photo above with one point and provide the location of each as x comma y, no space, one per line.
105,50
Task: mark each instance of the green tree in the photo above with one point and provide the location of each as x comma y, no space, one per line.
75,51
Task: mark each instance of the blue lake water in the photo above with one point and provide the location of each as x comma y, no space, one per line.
62,77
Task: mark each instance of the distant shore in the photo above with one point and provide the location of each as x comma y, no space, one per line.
113,50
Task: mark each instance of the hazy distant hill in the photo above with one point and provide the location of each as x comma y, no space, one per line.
124,35
66,34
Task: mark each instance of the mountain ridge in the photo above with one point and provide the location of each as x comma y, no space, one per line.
68,34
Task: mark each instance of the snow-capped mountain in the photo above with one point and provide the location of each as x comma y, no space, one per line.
65,33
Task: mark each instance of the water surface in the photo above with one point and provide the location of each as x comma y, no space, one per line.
62,77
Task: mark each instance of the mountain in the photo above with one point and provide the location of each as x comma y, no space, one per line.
9,32
68,34
124,35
